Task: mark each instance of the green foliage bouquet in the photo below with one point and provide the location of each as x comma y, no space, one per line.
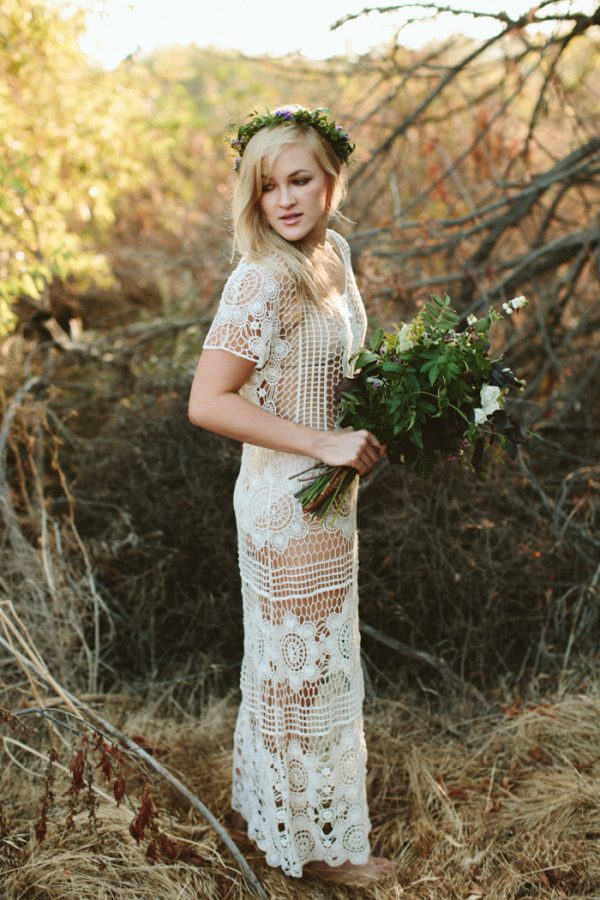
428,391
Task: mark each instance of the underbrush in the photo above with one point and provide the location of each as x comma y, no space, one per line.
503,805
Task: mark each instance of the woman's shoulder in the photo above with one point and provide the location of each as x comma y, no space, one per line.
267,272
340,239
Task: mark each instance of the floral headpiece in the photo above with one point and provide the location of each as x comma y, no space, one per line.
318,118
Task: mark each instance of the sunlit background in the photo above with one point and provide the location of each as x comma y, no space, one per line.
118,28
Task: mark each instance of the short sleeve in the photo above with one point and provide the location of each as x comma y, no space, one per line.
247,318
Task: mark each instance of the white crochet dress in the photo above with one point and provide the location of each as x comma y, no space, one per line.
299,752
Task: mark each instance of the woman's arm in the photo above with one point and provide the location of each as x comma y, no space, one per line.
216,405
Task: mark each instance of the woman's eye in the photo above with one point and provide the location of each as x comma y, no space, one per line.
266,187
301,181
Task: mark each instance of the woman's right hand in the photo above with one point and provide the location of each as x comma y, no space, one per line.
359,449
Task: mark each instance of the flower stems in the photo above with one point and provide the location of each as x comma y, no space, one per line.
325,494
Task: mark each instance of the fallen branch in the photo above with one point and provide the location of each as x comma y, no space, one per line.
427,658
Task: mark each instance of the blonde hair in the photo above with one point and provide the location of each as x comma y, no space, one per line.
253,237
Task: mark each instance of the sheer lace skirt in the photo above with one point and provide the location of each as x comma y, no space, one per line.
299,762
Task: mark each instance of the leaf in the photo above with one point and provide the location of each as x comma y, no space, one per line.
540,756
119,789
363,358
144,817
390,366
105,763
377,338
417,437
41,829
29,286
76,767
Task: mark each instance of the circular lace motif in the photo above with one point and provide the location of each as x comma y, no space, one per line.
304,844
274,514
354,839
345,640
298,776
294,652
349,766
252,282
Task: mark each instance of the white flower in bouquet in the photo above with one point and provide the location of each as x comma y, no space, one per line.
516,303
472,319
490,399
405,339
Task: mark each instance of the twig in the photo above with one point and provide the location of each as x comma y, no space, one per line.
426,658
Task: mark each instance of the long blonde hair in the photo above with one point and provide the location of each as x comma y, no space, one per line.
253,237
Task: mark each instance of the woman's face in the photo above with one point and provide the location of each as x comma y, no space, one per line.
294,196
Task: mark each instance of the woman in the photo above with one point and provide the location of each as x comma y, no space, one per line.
289,319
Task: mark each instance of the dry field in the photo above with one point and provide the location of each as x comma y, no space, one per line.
501,805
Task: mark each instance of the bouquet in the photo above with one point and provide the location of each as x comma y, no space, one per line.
428,391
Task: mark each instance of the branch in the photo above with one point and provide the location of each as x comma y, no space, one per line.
413,117
439,9
422,657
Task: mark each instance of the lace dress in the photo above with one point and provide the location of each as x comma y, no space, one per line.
299,761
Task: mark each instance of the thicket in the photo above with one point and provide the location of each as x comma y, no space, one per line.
477,172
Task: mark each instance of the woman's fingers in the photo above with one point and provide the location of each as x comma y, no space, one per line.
347,447
369,451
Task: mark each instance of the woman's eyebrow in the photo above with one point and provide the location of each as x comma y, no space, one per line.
291,175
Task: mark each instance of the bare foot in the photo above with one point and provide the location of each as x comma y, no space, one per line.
375,869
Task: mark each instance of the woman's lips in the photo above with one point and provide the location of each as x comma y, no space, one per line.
291,219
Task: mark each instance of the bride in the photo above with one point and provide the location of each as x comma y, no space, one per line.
289,319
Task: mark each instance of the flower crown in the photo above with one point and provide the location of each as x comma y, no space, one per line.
317,118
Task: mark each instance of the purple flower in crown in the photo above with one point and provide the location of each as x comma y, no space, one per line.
235,143
283,114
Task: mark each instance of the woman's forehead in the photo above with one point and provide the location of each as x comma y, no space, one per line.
291,158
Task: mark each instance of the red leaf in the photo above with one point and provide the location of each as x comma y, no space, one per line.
143,819
105,763
119,789
76,767
540,756
152,852
41,830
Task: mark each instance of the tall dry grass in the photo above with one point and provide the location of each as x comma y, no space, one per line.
503,805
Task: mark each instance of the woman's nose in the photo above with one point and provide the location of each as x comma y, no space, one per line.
286,197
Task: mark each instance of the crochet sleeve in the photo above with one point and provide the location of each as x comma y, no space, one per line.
247,318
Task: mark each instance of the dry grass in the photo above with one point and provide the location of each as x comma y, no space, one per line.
500,806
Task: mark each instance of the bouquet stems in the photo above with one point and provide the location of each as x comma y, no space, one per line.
325,494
